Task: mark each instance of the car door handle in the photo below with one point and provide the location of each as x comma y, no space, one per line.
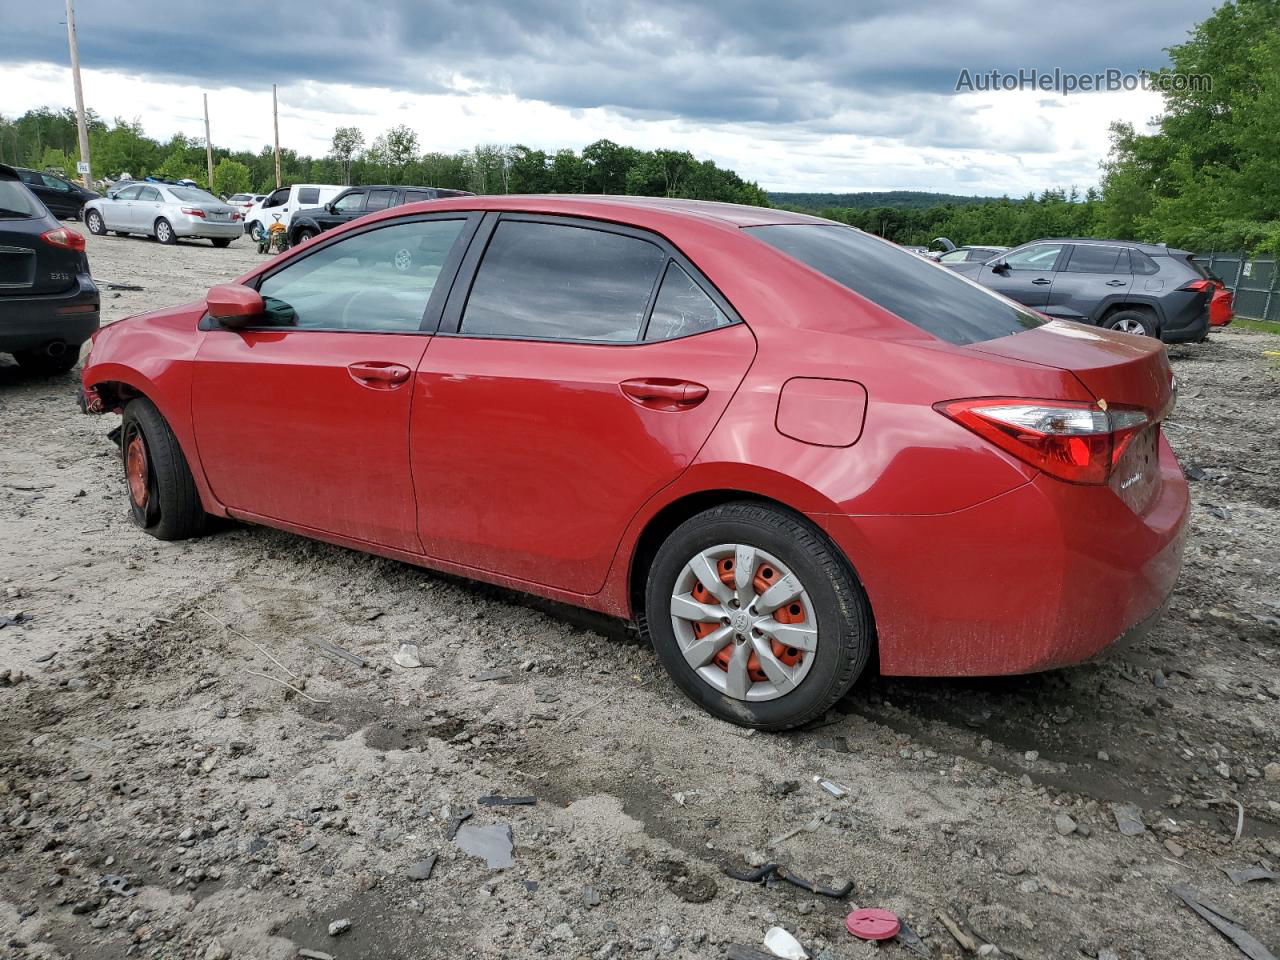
374,372
1116,283
1041,281
660,393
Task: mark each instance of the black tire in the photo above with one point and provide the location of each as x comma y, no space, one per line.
1133,318
303,235
256,231
842,612
171,509
96,225
42,363
221,242
164,232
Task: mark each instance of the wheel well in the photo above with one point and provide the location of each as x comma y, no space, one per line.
115,394
1115,308
665,521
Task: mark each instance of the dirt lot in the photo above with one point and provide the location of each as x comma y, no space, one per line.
139,743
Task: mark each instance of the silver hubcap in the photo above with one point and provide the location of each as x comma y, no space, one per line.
1130,326
162,231
744,622
95,222
403,259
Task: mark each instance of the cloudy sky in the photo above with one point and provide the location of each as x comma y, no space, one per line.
816,95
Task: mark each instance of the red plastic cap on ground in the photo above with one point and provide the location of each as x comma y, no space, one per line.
872,923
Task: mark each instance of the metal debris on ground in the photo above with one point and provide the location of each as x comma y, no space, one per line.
116,285
408,656
456,821
120,886
1224,923
782,944
13,619
1249,874
494,800
833,788
774,871
1129,819
493,843
336,652
911,940
499,674
809,827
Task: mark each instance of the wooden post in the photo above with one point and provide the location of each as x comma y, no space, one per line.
82,128
208,144
275,120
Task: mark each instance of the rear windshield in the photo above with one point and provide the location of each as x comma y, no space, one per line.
922,293
193,195
16,202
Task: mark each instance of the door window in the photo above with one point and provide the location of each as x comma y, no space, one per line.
955,256
53,183
1038,256
277,198
558,282
1087,258
129,193
349,203
308,196
415,196
381,199
149,193
380,280
682,308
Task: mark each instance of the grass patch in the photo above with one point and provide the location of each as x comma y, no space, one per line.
1265,326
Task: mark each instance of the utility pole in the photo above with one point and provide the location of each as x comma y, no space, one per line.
82,128
275,120
208,144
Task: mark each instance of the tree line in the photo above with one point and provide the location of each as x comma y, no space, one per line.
46,139
1206,176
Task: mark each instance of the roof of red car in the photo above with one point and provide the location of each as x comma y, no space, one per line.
624,207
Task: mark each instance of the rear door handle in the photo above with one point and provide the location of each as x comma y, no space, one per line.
661,393
376,373
1041,281
1116,283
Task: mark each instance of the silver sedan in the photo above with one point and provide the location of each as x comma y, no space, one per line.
166,212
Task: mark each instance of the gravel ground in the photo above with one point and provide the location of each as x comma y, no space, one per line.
159,797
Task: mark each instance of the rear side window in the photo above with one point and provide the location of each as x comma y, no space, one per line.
381,199
309,195
558,282
1142,264
682,308
16,202
149,193
922,293
416,196
1087,258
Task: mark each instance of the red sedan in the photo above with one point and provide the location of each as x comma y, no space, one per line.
783,446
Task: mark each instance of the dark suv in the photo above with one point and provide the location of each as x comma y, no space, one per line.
1142,288
356,202
48,303
63,198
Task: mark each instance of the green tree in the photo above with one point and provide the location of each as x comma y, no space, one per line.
346,143
231,176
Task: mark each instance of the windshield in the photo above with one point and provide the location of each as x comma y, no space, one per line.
931,297
193,194
16,202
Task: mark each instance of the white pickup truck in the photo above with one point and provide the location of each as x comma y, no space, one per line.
285,202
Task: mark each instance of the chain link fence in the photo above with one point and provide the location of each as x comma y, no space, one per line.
1253,281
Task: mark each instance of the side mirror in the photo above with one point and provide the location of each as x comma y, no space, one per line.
1000,266
234,306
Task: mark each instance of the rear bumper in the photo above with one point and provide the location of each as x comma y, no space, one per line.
1046,575
27,323
195,227
1187,325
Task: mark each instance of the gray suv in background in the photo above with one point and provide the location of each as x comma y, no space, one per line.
1142,288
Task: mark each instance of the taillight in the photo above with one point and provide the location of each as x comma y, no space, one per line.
235,215
1077,442
1197,286
64,238
193,212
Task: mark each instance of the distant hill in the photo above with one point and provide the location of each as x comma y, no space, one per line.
898,199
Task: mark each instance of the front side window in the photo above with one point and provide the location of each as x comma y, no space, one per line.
380,199
682,308
379,280
955,256
277,198
349,203
922,293
1087,258
309,196
561,282
1038,256
129,193
54,183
